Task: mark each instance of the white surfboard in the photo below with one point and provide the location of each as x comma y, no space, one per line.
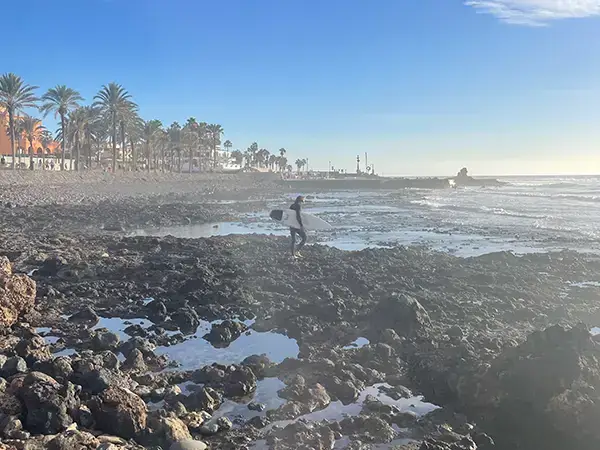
288,217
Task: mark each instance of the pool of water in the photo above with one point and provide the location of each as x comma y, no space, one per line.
196,352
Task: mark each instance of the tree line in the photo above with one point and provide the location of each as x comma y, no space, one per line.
112,121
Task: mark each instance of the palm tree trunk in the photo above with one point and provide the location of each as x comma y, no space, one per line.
133,155
11,125
179,160
43,158
31,164
148,156
191,158
63,127
114,143
123,144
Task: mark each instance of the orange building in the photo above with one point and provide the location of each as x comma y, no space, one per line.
22,143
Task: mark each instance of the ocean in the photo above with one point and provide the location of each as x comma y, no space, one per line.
529,214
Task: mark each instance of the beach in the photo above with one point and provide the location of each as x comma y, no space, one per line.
424,319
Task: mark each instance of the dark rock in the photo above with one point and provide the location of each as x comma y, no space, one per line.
74,440
139,343
86,314
10,426
209,429
204,399
186,318
120,412
51,266
259,422
253,406
10,404
169,430
33,349
13,366
402,313
239,382
260,365
224,424
105,340
222,334
208,374
47,403
158,310
135,361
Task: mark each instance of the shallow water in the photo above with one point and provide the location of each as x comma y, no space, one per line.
196,352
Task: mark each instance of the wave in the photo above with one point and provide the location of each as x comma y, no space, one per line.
477,209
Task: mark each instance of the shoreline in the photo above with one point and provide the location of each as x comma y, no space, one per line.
452,329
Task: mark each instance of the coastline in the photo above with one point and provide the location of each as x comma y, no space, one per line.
436,325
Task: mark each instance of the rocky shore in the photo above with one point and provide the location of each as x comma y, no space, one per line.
498,346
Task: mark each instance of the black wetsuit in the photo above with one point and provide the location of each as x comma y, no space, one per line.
296,206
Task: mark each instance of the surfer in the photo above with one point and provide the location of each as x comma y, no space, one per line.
297,206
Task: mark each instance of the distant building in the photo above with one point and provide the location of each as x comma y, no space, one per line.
21,144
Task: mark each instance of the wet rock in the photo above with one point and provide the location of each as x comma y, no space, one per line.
209,429
208,374
139,343
135,361
402,313
371,428
96,380
105,340
288,411
253,406
222,334
188,444
261,365
51,266
483,441
240,381
544,390
224,424
194,420
17,294
259,422
433,444
186,318
13,366
85,315
302,435
73,440
204,399
120,412
314,397
158,310
47,403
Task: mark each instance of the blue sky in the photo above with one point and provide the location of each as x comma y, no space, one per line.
424,86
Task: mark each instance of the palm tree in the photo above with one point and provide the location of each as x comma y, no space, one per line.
252,150
61,100
282,152
114,102
150,134
15,95
191,139
238,157
227,144
76,128
214,131
130,123
300,164
45,139
32,129
174,133
282,162
272,161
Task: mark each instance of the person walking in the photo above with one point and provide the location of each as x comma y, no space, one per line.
297,206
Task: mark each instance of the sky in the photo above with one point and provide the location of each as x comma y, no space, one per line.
424,86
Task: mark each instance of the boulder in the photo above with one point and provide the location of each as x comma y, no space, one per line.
222,334
13,366
169,430
33,349
85,315
10,404
104,339
186,318
74,440
47,402
119,411
17,294
188,444
403,314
